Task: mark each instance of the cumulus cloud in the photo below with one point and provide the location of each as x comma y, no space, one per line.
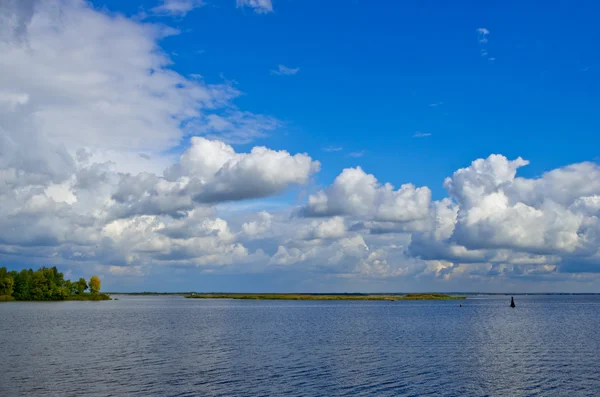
77,77
355,192
514,226
88,104
259,226
346,251
259,6
218,173
210,172
347,257
111,159
502,219
134,271
332,228
147,239
94,80
499,210
149,194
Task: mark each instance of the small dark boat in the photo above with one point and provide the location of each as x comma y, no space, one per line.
512,302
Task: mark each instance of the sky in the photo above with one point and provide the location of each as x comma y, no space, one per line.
302,146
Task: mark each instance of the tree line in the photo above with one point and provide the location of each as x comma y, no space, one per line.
43,284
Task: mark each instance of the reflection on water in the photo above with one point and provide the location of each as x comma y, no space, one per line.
141,346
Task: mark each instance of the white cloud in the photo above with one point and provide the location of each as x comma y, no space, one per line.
259,6
145,239
482,37
356,154
209,172
482,34
177,7
234,126
82,78
332,149
492,217
420,134
218,173
258,227
544,215
12,100
89,107
94,80
136,271
355,192
283,70
345,251
330,228
15,15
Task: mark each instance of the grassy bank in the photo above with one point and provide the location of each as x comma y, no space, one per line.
150,293
82,297
366,297
88,297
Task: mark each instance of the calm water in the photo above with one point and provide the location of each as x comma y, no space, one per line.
170,346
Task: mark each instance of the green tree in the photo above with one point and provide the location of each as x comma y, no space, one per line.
38,289
43,284
7,283
23,285
81,286
94,285
70,287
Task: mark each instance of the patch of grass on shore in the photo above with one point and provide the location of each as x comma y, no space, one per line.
430,297
327,297
149,293
88,297
6,298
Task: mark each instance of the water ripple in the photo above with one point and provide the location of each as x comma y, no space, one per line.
147,346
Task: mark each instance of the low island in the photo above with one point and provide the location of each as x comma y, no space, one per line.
328,297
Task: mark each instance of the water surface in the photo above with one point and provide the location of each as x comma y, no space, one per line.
170,346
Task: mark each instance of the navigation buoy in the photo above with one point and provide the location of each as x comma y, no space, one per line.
461,305
512,302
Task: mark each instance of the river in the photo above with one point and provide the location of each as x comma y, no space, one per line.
171,346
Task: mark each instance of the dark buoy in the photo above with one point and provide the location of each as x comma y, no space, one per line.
512,302
461,305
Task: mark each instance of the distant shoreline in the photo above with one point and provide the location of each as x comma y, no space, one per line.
369,297
458,293
89,297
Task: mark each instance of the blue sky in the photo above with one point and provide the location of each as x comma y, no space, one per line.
131,127
370,71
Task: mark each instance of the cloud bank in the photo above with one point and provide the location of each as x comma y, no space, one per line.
109,159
